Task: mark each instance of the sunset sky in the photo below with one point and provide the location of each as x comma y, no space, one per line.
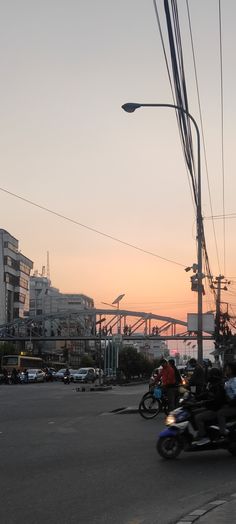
67,66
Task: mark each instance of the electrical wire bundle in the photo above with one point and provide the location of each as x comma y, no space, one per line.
180,98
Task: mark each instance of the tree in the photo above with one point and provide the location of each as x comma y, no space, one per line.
87,362
132,363
7,348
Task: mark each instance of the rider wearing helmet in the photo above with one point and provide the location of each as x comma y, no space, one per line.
197,379
213,399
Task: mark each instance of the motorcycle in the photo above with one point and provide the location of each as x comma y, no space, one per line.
180,433
66,379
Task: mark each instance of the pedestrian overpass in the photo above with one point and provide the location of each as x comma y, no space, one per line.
94,324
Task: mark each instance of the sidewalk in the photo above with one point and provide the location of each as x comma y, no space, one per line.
224,514
217,512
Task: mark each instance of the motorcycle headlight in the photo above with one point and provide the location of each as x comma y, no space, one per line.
170,419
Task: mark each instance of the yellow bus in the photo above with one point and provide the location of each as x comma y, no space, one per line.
21,362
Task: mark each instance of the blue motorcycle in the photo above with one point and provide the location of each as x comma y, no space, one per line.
180,434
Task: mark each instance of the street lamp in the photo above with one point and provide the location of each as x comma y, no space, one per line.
130,108
116,304
100,350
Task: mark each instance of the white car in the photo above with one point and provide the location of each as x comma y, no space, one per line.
84,375
36,375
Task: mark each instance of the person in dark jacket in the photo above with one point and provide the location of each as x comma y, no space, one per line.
228,410
213,399
197,380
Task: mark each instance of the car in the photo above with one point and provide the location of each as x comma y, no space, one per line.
50,374
36,375
59,375
84,375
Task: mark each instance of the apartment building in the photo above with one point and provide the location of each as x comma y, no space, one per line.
15,271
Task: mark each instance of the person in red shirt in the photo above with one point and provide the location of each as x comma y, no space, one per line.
167,376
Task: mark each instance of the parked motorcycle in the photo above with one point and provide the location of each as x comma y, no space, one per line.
180,433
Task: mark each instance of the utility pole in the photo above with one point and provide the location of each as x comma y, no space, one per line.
219,284
218,302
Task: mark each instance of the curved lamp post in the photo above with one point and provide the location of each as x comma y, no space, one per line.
130,108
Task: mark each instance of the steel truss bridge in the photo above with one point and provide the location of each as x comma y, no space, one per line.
94,324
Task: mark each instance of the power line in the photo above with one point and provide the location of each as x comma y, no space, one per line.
181,97
222,132
174,101
164,49
221,217
89,228
203,136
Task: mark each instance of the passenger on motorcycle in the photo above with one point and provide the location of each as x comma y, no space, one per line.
229,408
212,400
197,380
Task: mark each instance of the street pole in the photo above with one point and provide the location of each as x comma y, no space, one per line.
130,108
218,303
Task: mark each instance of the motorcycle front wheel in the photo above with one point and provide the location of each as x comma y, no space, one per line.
169,447
149,406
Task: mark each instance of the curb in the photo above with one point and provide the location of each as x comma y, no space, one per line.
93,388
126,411
122,411
193,516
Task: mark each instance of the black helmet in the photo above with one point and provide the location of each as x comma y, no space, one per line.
192,362
214,375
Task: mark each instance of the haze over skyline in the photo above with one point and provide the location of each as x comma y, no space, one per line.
67,67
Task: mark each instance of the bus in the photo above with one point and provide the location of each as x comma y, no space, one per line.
21,362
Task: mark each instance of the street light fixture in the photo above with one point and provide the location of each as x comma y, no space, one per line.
130,108
116,304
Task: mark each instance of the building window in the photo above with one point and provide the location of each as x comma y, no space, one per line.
11,246
8,261
24,268
23,283
19,297
11,279
16,312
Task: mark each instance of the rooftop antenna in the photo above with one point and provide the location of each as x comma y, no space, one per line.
48,266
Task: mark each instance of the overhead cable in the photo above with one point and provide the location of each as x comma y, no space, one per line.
111,237
202,131
173,94
222,132
180,89
177,60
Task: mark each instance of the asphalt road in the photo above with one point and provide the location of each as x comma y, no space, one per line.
66,459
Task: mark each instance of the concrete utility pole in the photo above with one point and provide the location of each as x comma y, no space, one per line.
220,284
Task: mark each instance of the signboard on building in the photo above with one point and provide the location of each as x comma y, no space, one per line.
208,322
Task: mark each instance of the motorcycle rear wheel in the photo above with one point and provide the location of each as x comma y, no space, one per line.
232,448
169,447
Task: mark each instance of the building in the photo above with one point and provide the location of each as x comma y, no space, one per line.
48,300
59,314
151,349
14,279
